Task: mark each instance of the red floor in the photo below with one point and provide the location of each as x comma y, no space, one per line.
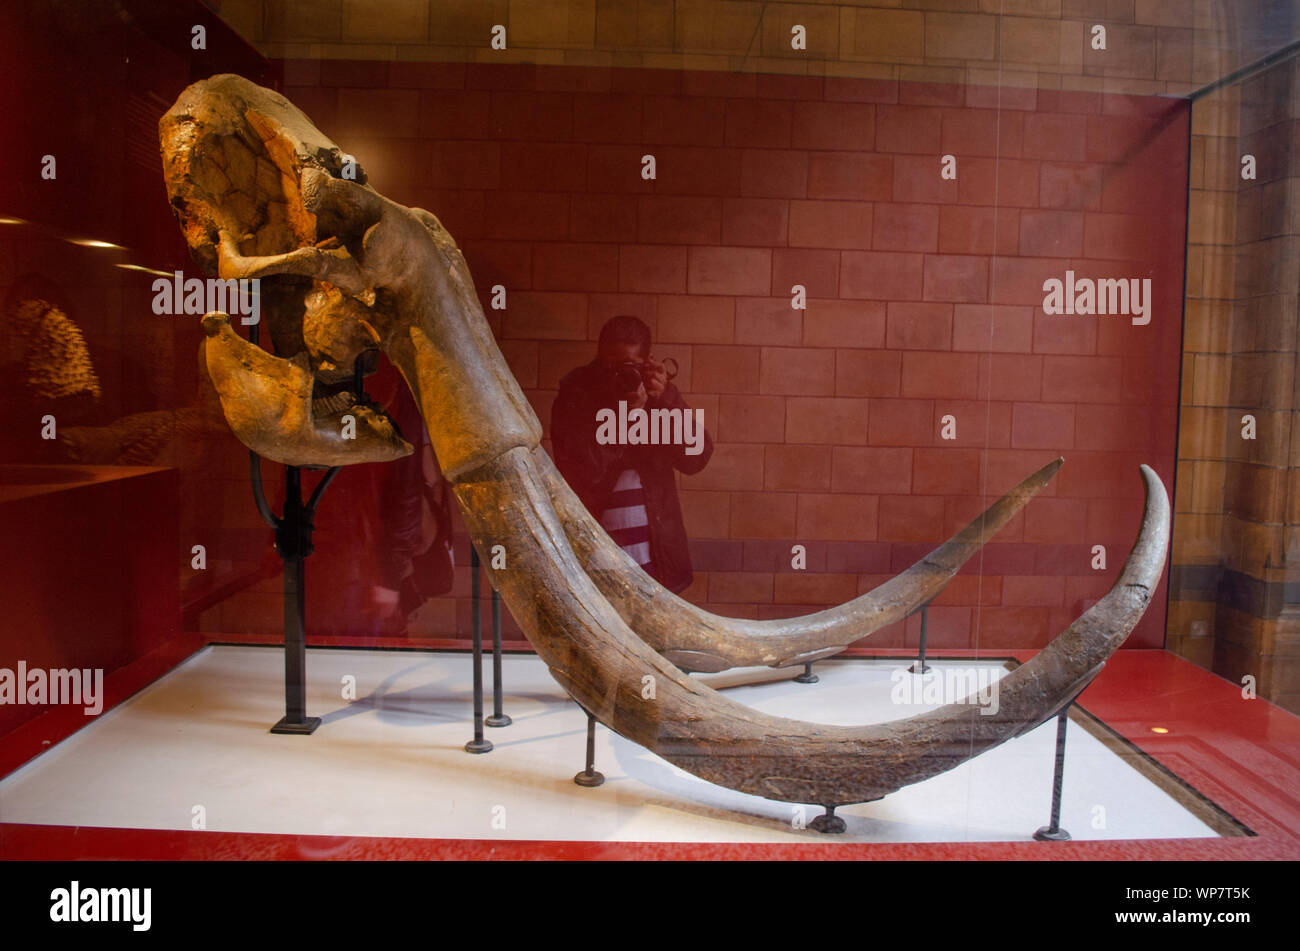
1242,754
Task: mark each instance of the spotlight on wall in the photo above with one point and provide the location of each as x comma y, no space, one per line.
143,270
1159,729
94,243
11,221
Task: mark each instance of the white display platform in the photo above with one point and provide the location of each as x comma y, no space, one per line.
391,763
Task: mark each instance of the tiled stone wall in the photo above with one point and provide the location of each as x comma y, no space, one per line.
1152,46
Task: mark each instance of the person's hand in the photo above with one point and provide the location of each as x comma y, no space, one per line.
655,379
637,398
384,610
382,601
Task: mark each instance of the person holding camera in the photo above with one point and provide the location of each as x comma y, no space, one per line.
630,489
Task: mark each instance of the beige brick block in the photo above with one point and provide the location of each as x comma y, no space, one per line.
467,23
1174,54
855,69
771,64
1130,52
1197,540
1196,164
553,23
1218,114
821,25
950,75
1204,432
515,54
1212,218
1211,379
299,21
244,17
379,51
1013,78
1222,163
716,26
1074,39
1209,62
601,59
1218,277
377,21
1207,326
1024,8
960,36
634,24
1026,40
433,54
1165,12
891,35
1198,650
1208,485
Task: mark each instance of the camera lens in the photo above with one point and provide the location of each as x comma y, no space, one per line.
627,377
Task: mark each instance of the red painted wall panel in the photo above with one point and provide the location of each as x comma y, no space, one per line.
925,299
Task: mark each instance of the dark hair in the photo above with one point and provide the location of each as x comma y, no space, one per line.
626,329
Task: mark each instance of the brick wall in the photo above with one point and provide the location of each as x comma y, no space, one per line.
1153,46
1235,542
924,300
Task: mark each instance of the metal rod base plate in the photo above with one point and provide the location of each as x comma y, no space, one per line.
478,746
920,667
828,824
503,720
807,677
1048,834
303,727
590,779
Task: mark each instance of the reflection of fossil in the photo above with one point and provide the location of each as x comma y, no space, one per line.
56,362
141,439
261,193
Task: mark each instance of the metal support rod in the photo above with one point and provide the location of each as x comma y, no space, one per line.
807,677
478,744
292,538
589,777
828,823
1054,832
921,667
498,718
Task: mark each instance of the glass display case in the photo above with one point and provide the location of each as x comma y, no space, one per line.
868,272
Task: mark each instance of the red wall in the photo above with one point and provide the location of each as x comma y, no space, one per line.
924,300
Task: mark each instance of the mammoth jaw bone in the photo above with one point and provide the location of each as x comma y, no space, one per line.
268,403
598,659
697,640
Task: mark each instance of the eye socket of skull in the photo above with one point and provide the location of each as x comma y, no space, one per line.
334,331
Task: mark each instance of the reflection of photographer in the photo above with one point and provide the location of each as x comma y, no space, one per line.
629,488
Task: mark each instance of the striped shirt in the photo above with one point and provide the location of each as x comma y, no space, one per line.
626,519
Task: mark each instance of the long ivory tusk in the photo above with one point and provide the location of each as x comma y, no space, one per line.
695,639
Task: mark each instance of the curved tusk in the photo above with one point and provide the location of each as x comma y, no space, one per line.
599,660
697,640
